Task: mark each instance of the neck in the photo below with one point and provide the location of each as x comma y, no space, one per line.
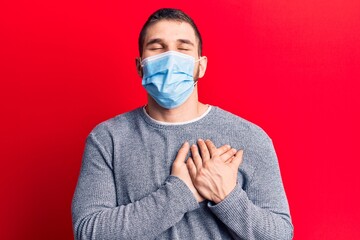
188,111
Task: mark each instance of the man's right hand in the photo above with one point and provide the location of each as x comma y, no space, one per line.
180,170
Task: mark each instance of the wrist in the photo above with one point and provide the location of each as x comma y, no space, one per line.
217,198
223,194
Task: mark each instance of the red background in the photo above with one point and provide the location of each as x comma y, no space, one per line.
291,67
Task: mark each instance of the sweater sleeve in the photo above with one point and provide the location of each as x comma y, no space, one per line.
261,210
96,214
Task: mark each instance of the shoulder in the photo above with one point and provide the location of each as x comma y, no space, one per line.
240,124
117,125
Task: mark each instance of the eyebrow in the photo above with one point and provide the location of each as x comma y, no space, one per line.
152,41
186,41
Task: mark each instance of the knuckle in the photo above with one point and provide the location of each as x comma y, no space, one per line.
182,151
207,164
215,152
217,158
197,156
202,172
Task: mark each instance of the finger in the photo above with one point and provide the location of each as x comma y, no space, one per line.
229,160
191,168
205,155
196,156
228,154
223,149
212,148
182,153
235,163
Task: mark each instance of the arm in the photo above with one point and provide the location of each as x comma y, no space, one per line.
260,212
96,214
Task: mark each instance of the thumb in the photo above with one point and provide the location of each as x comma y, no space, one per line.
237,160
182,153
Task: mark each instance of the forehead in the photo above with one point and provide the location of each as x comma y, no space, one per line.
170,30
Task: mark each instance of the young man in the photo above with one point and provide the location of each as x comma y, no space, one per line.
148,173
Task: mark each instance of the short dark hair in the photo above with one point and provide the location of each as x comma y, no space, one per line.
168,14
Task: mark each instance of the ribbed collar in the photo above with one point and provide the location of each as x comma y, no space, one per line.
160,124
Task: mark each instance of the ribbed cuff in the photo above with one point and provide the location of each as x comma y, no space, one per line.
228,209
183,194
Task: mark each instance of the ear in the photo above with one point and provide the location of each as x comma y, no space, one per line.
138,66
202,66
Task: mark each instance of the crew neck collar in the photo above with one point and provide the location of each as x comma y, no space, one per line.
164,124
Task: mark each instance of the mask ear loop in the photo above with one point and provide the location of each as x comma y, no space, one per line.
200,58
196,81
140,61
141,66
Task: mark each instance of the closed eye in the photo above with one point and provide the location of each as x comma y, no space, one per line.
155,44
155,48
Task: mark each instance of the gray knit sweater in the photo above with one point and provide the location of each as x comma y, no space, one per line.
125,190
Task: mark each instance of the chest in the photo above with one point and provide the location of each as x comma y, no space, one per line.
143,162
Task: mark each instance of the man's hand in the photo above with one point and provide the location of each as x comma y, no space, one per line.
180,170
214,173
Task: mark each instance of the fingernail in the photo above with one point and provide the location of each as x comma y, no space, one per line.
200,140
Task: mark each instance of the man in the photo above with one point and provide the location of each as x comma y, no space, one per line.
148,173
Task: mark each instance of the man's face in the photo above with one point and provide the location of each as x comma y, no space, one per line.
167,35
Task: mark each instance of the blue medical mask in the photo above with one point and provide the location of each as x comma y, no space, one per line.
168,78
